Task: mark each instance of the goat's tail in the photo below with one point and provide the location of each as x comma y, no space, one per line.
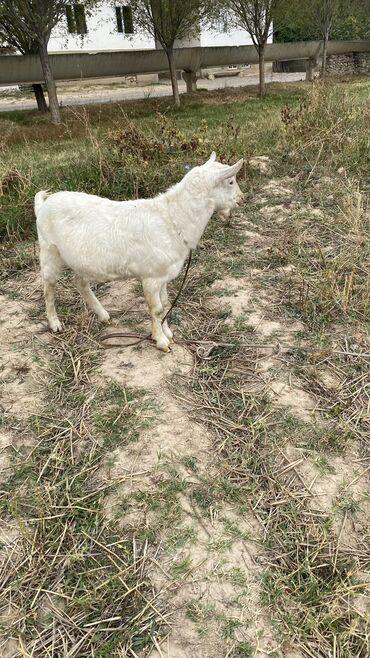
40,198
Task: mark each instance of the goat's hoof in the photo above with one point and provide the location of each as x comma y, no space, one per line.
104,316
169,335
163,345
55,326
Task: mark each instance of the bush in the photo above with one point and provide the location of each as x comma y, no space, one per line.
330,126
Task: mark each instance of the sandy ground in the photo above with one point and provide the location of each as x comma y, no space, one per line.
109,91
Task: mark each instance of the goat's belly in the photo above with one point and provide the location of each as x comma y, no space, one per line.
132,271
100,277
100,274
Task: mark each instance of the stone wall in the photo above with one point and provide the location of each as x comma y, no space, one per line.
348,63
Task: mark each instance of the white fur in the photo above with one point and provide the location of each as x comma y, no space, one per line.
147,239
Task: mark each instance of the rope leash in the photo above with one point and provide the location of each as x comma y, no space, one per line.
139,338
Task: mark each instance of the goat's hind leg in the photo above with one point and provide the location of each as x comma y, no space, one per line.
164,299
152,290
51,267
90,300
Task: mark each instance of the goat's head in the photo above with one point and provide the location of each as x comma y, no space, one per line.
225,190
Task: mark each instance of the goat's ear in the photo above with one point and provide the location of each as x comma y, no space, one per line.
213,157
231,171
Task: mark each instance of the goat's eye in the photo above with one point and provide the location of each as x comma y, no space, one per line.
231,182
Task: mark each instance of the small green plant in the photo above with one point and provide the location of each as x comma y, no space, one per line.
243,649
230,627
181,568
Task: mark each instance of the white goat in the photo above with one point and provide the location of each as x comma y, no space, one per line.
148,239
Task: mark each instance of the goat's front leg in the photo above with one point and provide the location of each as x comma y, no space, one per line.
164,299
152,293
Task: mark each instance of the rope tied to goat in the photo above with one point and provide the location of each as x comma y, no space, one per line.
139,338
203,348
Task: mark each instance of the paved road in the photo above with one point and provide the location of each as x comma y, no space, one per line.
103,93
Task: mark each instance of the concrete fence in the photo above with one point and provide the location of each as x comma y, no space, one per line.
18,69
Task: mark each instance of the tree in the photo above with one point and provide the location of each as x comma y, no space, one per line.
35,19
323,14
254,16
169,21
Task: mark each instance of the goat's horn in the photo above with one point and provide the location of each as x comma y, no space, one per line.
213,157
231,171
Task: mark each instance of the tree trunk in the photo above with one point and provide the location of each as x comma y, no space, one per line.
50,84
40,98
261,57
174,82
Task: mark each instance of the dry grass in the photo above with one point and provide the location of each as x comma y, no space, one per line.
329,126
71,582
313,582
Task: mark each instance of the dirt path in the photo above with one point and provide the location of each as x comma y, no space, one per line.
100,93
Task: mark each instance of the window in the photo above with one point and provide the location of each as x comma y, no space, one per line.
76,19
125,23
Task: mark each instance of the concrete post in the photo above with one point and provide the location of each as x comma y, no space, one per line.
310,68
190,78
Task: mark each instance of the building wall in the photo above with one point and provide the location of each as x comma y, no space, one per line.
102,34
214,37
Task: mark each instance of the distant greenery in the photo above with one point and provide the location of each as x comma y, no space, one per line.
351,24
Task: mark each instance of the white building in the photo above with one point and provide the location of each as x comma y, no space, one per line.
112,27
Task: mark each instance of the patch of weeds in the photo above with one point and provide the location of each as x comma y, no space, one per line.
329,440
181,536
204,496
243,649
232,529
190,462
181,568
331,258
200,614
237,578
123,415
324,465
16,258
341,140
310,577
229,628
307,584
162,505
347,503
320,438
343,402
